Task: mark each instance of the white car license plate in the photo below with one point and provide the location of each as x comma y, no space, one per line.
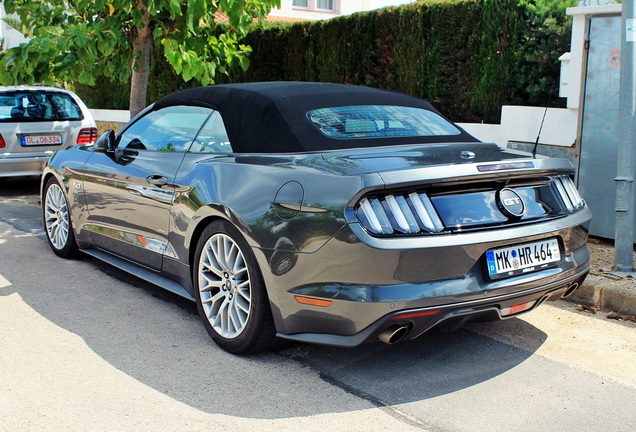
35,140
522,258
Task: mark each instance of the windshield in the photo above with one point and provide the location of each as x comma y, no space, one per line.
34,106
379,121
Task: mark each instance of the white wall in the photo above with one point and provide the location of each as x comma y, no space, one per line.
10,36
376,4
342,7
522,124
119,116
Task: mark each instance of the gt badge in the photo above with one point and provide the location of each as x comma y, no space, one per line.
510,203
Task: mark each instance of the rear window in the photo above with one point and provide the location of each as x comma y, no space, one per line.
34,106
379,121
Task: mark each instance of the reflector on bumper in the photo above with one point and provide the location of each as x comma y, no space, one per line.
517,308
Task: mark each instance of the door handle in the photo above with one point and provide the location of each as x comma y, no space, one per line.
157,180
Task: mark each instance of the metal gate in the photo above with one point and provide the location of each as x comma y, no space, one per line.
599,130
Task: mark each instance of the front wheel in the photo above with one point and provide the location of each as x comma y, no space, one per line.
57,220
230,292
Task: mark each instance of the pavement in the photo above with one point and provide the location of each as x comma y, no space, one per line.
603,289
598,293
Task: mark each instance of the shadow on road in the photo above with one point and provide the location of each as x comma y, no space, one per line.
435,364
20,204
19,186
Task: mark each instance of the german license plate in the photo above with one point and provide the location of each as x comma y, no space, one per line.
38,140
524,258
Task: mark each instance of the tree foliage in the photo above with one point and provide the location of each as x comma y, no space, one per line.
82,40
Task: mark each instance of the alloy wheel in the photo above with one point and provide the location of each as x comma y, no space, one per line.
56,217
224,286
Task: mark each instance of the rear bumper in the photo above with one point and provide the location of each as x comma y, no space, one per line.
411,323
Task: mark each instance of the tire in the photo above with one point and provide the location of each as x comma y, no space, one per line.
57,220
230,292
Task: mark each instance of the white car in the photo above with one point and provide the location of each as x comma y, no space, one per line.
35,121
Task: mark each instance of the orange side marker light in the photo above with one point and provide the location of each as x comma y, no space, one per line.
313,301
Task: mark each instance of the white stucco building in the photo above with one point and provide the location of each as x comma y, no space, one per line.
299,10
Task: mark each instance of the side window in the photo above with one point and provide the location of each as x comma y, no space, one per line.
170,129
213,137
6,103
63,107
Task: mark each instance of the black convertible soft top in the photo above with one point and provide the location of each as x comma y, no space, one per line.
271,117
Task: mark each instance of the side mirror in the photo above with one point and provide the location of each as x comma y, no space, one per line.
105,143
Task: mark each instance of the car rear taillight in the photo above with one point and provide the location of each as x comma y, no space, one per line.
87,136
569,193
2,143
399,213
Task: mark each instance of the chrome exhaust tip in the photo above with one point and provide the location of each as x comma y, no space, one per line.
393,334
568,292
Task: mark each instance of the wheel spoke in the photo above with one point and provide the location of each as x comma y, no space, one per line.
241,304
210,283
212,262
223,313
218,249
234,318
232,255
215,301
244,294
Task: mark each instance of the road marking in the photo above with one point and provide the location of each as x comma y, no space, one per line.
4,282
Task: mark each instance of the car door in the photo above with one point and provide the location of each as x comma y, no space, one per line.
129,192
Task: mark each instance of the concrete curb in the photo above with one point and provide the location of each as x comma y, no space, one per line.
596,293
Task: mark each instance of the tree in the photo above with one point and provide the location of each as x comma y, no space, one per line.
79,40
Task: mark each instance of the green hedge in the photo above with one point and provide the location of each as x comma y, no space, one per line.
467,57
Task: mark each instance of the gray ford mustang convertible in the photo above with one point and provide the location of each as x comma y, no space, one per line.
320,213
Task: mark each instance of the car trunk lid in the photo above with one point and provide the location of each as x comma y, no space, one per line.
28,137
400,158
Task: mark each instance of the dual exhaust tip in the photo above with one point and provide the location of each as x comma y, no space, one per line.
568,292
393,334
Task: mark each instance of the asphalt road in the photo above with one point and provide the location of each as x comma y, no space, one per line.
86,347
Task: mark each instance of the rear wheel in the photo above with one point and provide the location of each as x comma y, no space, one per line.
57,220
230,292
